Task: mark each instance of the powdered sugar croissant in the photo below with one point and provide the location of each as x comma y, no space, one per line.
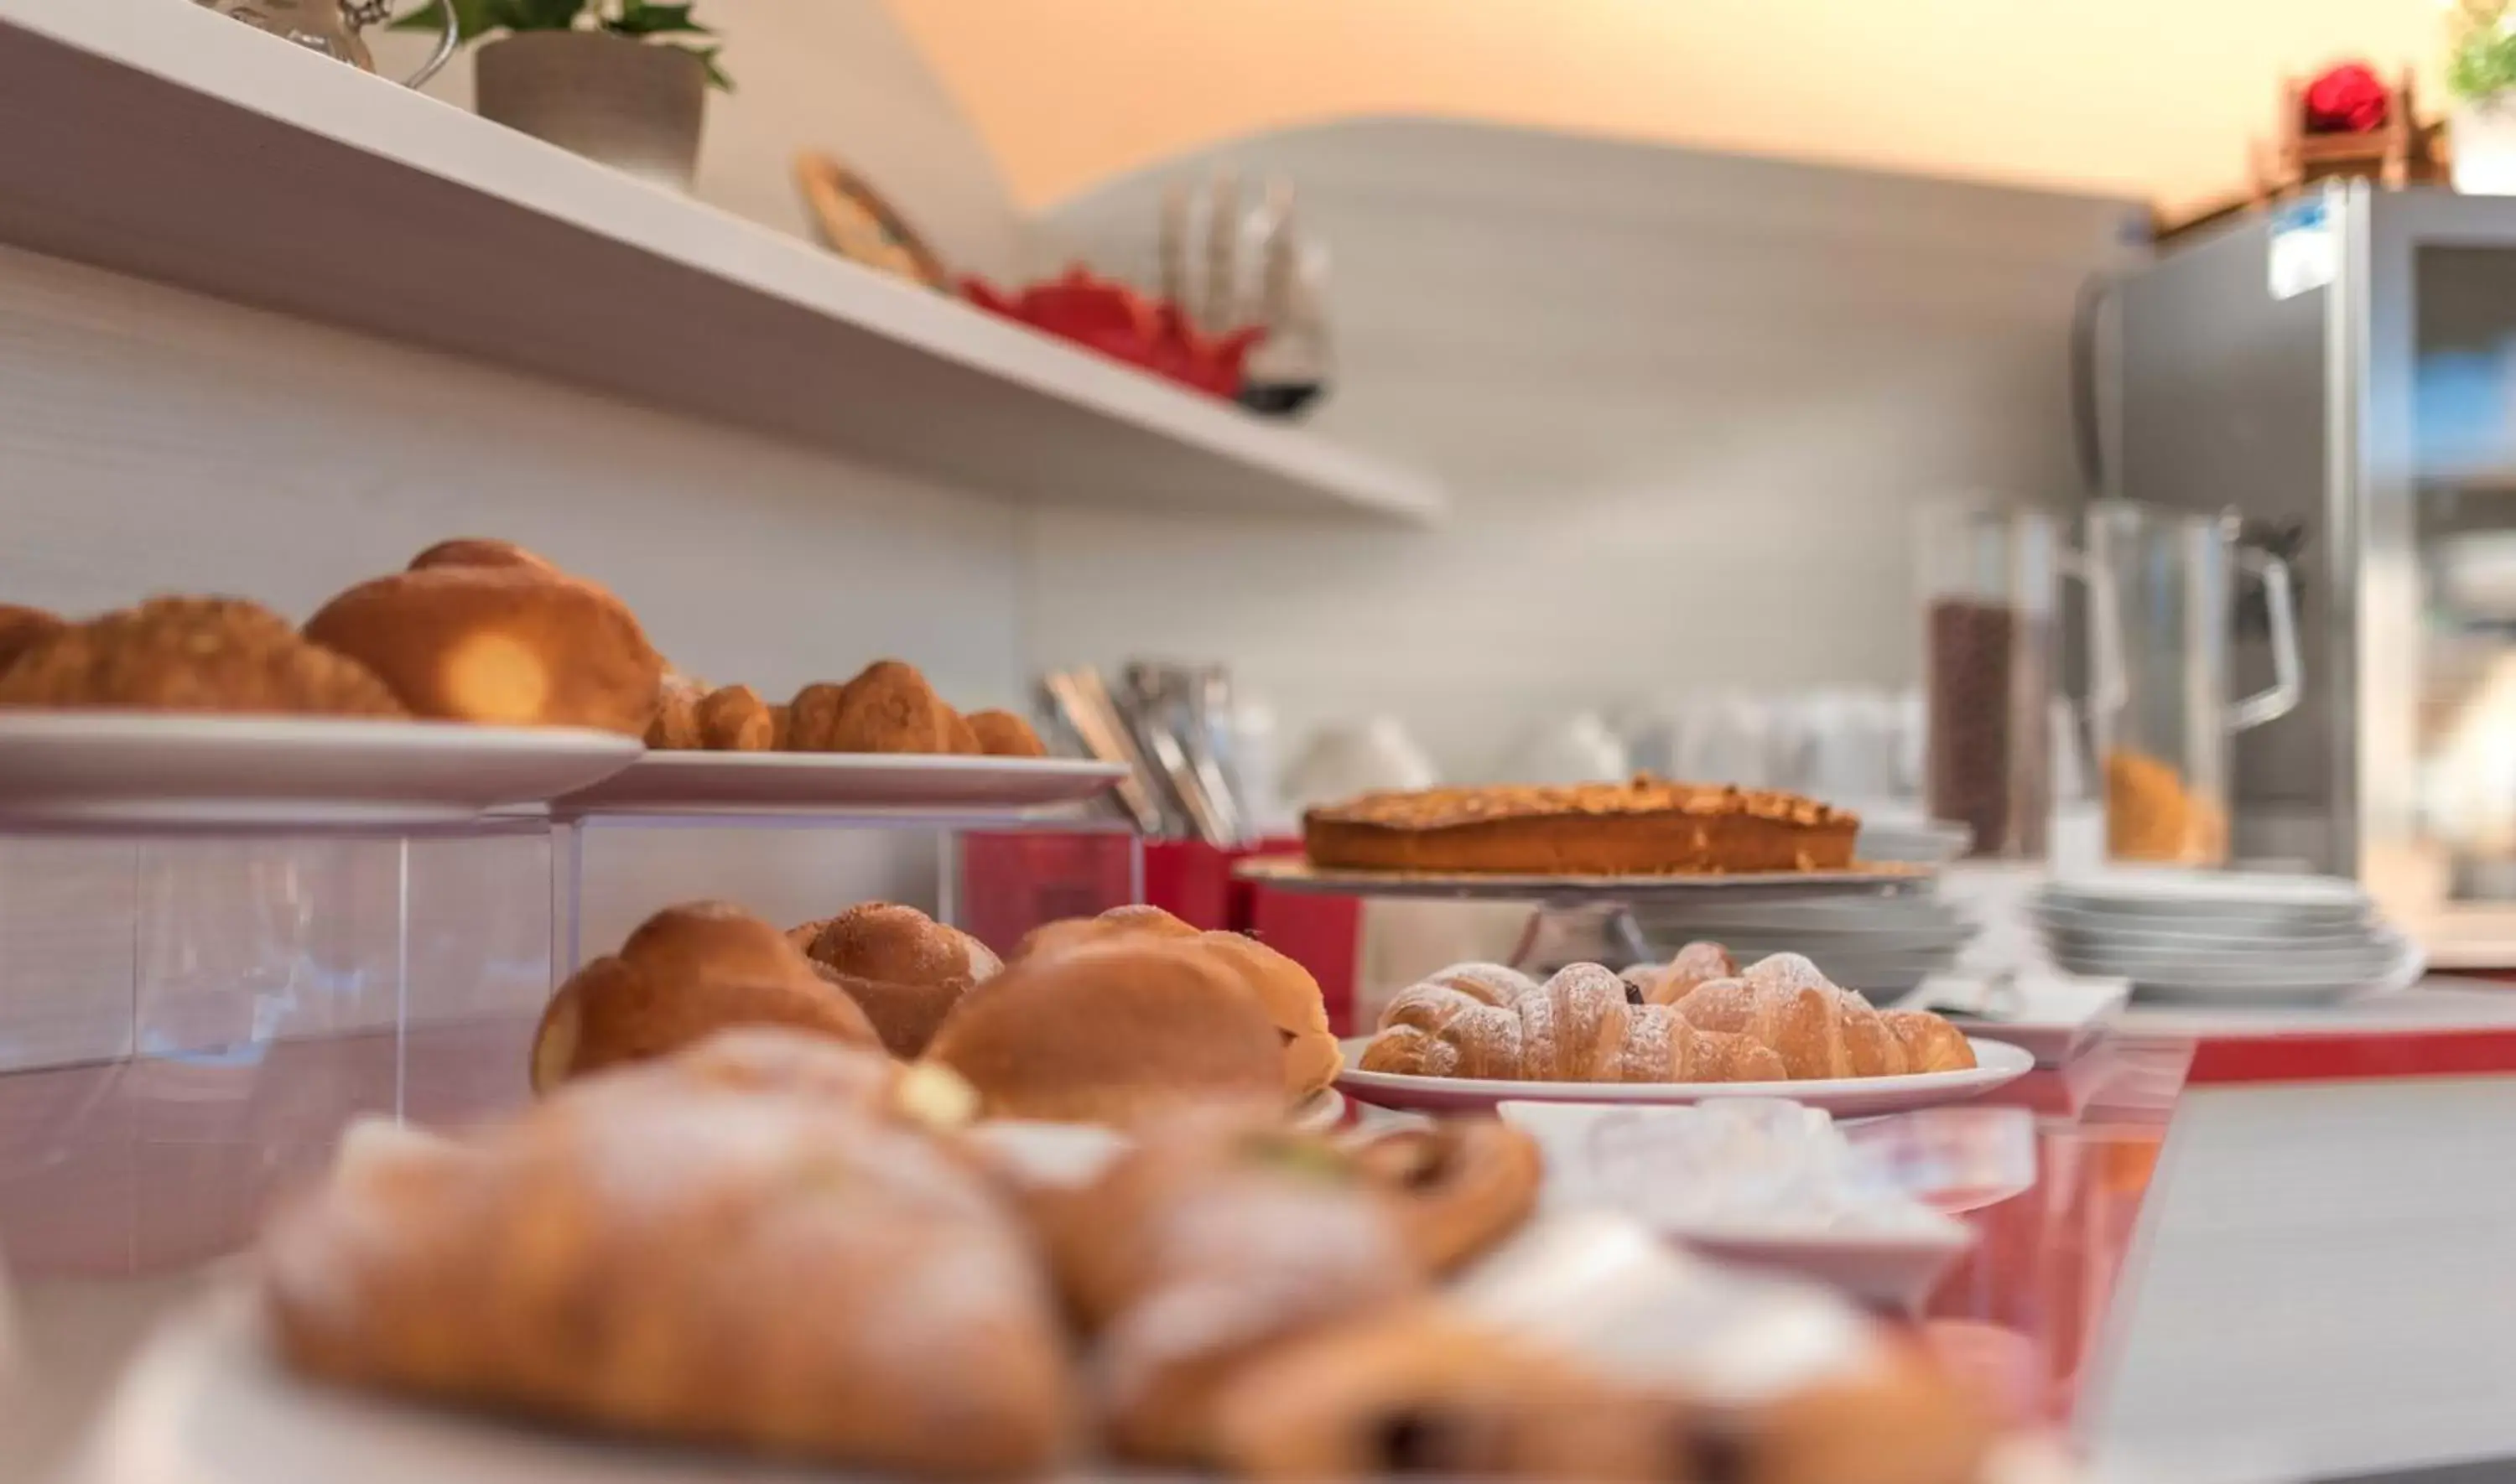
1582,1025
1821,1030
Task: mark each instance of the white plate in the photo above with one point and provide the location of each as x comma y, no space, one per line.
732,783
2367,955
2405,971
2202,890
184,771
2230,930
1998,1063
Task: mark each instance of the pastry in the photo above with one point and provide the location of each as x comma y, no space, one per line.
480,552
1209,1241
1291,996
692,1264
1002,734
1293,1003
1458,1186
1582,1025
687,971
1642,828
501,646
20,628
769,1058
214,654
1117,923
734,719
676,726
812,719
904,969
782,727
2152,815
1695,963
1116,1032
1817,1029
1931,1044
889,708
1413,1391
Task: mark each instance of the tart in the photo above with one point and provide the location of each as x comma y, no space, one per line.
1645,827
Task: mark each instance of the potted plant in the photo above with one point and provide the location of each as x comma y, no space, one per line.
604,78
2481,73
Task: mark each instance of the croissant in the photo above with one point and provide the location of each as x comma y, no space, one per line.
728,1255
1817,1029
1582,1025
1695,963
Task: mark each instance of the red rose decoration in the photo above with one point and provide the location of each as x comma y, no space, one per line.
2347,99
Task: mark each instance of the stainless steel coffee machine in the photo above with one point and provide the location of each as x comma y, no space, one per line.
2340,374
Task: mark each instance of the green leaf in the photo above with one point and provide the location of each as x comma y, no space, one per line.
536,15
470,18
643,18
715,75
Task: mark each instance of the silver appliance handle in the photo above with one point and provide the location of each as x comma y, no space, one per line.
2289,668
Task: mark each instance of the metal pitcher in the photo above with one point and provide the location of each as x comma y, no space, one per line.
336,28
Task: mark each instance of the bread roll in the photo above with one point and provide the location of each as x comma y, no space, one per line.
213,654
685,973
734,719
499,646
676,726
1117,923
889,708
1002,734
20,628
812,719
1293,1003
904,969
480,552
1115,1033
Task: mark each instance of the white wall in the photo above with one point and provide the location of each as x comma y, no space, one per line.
1688,403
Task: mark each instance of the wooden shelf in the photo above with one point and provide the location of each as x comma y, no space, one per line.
166,142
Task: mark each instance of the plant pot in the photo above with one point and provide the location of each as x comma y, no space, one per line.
2482,134
632,105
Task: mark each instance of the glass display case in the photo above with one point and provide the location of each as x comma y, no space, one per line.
188,1021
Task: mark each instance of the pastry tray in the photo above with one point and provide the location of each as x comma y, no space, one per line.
1292,872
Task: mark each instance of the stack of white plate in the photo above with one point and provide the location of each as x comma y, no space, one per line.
2225,935
1880,945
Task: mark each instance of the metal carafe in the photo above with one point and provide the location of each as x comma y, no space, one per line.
336,28
2170,582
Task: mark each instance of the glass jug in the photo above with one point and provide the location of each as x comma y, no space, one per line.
334,28
1990,578
2170,580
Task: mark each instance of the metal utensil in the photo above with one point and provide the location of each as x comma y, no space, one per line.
1106,741
1151,708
